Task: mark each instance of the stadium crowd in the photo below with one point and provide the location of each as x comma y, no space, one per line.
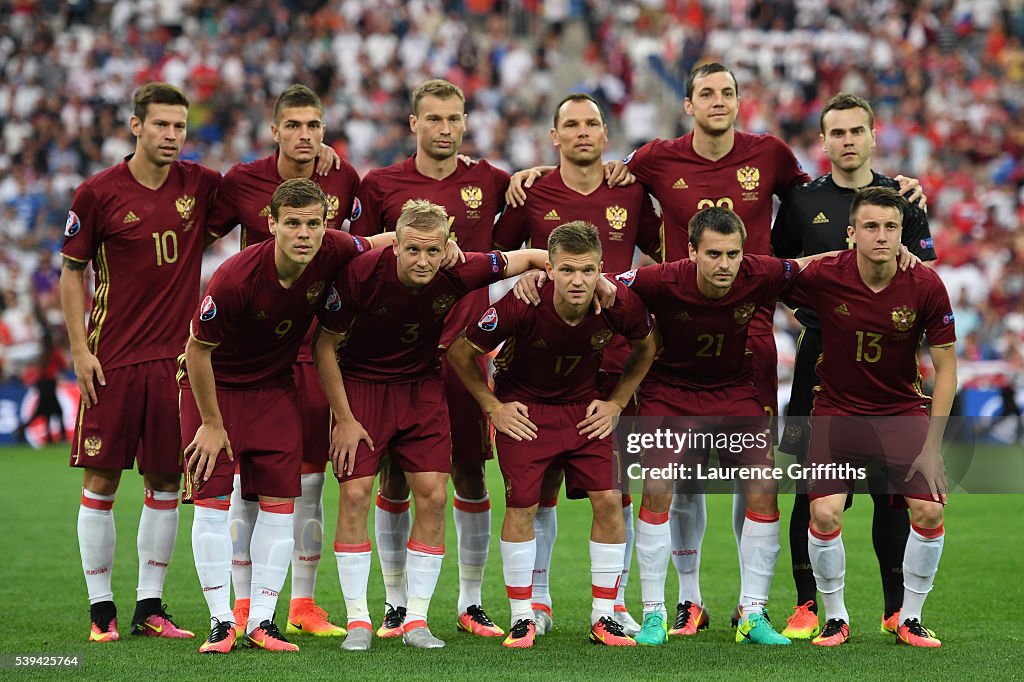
945,78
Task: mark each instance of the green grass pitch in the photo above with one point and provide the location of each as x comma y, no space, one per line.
44,609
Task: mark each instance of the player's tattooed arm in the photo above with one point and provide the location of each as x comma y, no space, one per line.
211,437
521,181
513,418
88,370
347,432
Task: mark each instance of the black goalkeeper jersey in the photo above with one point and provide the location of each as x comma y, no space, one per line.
813,219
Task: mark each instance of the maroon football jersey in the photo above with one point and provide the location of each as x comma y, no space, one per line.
244,199
392,333
256,324
871,339
146,246
743,180
544,358
705,340
473,196
245,193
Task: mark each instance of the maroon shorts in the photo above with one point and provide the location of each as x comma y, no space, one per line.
409,421
471,430
589,464
764,362
315,413
265,431
882,447
732,418
134,419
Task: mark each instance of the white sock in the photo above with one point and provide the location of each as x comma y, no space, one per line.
605,572
158,530
273,537
653,538
423,566
392,522
545,531
688,518
828,560
354,574
627,556
759,549
517,562
920,563
473,530
739,516
309,536
96,540
241,519
211,549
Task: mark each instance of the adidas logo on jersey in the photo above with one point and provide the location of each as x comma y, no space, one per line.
539,343
684,316
680,184
130,217
552,215
820,219
382,311
265,211
261,315
841,309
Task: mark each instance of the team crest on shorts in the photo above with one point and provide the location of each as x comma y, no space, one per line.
314,291
489,321
442,304
333,302
743,313
92,445
903,318
472,196
601,339
748,177
207,309
73,224
186,206
332,206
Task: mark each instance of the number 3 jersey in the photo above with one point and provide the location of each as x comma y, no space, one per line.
146,247
871,339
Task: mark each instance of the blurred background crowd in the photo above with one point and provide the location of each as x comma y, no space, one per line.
946,78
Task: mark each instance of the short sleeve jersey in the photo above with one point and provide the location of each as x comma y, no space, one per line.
624,217
146,246
473,196
544,359
255,324
705,339
871,339
244,198
391,333
743,180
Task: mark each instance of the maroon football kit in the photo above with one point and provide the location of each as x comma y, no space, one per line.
553,368
473,196
256,326
146,248
390,355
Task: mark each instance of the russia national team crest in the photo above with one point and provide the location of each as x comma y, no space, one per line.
73,225
617,217
314,291
627,277
903,318
743,313
186,206
472,196
442,304
333,302
92,445
207,309
600,339
749,178
332,206
357,210
489,321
